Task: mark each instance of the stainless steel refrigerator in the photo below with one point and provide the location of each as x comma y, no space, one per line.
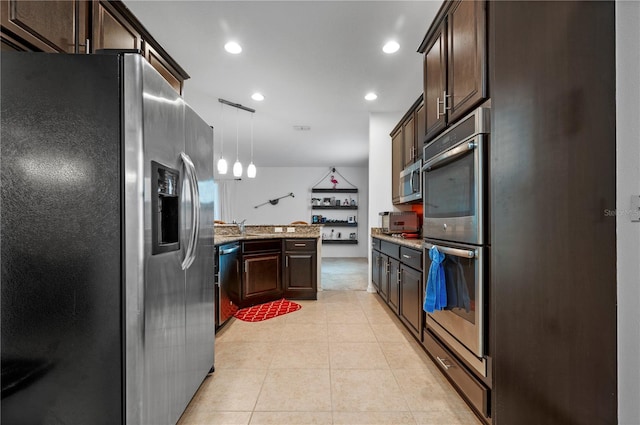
106,242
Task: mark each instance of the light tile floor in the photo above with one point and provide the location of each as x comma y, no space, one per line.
343,359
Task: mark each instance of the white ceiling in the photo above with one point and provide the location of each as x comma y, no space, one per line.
312,60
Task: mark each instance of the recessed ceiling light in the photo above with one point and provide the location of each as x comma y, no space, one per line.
390,47
371,96
233,47
257,96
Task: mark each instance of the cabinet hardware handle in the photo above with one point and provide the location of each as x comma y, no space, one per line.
444,102
442,362
286,261
406,256
438,108
87,46
300,244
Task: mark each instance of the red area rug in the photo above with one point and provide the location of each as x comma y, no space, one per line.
265,311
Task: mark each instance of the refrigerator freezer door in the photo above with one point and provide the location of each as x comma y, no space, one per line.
199,288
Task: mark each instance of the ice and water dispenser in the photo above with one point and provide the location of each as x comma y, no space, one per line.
165,207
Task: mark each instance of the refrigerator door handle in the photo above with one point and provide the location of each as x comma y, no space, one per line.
190,172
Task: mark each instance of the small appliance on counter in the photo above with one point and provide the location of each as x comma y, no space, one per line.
397,222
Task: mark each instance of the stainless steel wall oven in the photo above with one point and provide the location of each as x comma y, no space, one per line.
455,199
454,181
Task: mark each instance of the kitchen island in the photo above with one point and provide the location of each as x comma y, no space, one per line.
273,261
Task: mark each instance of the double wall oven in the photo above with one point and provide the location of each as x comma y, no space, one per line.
454,177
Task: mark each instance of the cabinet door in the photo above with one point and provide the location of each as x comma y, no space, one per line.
397,164
466,59
111,30
49,26
411,299
383,289
435,74
421,123
394,285
300,275
376,267
261,278
409,141
163,67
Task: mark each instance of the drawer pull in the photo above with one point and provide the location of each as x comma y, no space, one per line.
300,244
406,256
443,362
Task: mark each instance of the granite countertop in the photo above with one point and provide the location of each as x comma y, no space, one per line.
225,233
376,232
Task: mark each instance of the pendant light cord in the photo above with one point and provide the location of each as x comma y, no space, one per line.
222,130
252,138
237,134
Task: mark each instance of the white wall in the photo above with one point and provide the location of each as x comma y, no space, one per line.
380,125
628,184
274,182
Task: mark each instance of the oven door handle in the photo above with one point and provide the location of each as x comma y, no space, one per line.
464,253
448,156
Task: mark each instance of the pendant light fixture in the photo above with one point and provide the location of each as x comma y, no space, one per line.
237,166
222,163
251,169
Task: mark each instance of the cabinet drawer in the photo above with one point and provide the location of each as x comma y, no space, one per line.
300,245
261,246
473,389
411,257
391,249
375,244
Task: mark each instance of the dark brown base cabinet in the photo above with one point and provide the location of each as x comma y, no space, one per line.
411,299
300,269
261,272
277,268
397,275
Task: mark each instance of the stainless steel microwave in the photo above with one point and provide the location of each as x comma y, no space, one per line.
411,183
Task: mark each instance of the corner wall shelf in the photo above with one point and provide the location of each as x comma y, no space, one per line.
340,241
344,214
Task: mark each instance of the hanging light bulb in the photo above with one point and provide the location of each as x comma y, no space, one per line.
237,166
222,163
251,169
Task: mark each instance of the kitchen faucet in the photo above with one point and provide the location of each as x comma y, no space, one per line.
241,226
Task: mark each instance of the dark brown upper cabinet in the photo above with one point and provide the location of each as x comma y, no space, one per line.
406,144
111,30
397,151
82,26
48,26
455,63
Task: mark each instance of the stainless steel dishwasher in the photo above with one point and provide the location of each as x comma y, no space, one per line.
227,282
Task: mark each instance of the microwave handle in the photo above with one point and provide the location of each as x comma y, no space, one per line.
464,253
448,156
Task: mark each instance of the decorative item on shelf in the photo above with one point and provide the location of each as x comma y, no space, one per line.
334,181
315,201
352,236
354,203
326,202
351,219
346,202
338,235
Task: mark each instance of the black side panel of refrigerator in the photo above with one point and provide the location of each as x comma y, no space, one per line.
61,251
